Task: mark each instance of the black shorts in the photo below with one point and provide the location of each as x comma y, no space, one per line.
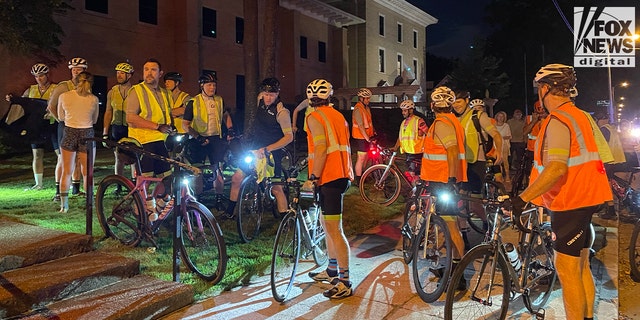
119,131
73,139
152,166
414,160
214,150
475,175
48,136
360,145
332,196
572,230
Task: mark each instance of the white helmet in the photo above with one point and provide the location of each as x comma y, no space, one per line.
407,104
476,103
77,63
556,74
443,96
364,93
319,88
39,68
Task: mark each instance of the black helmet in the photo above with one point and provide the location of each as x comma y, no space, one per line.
206,78
270,85
175,76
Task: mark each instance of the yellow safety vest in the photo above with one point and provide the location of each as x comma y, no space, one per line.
34,92
180,101
410,140
201,116
151,110
117,105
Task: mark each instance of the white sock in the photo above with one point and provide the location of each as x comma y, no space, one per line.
38,177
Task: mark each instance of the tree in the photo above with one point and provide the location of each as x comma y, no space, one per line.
28,27
250,61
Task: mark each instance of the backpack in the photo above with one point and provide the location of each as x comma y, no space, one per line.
487,143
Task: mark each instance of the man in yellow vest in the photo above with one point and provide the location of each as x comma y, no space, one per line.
330,168
411,138
148,110
569,179
114,115
610,133
362,130
172,81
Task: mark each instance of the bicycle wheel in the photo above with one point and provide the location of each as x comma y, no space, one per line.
203,246
484,273
121,211
374,189
319,238
410,227
539,268
284,260
634,252
249,209
431,255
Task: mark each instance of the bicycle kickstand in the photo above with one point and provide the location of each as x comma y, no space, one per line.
540,314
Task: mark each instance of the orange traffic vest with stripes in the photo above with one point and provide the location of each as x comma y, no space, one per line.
151,110
410,140
366,121
336,130
585,184
434,159
533,135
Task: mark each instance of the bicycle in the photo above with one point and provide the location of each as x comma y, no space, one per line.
491,190
123,215
300,235
496,274
382,183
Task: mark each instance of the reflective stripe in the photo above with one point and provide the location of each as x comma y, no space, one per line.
440,157
333,144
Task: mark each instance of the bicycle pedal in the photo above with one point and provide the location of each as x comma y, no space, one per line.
540,314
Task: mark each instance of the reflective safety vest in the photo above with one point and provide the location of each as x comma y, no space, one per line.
533,135
434,158
151,110
200,122
585,184
615,145
117,104
366,121
34,92
410,140
180,101
336,135
472,140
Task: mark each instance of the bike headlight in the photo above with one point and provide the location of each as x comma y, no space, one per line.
445,197
186,181
179,137
248,159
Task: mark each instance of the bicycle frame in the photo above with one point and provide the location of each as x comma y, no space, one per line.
391,165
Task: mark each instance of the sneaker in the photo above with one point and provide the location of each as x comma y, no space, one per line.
322,276
34,188
56,198
340,290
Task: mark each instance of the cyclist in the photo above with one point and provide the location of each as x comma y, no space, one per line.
272,128
330,166
516,123
443,163
569,179
41,90
362,130
531,128
411,138
114,115
204,117
610,133
172,81
148,108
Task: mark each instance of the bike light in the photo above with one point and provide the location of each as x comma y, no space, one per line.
248,159
445,197
635,132
179,137
185,181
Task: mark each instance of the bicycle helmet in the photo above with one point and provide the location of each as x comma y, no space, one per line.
443,96
476,103
77,63
39,68
128,157
364,93
557,75
175,76
270,85
207,78
124,67
407,104
319,88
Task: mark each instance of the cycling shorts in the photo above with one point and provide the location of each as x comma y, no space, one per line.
572,230
332,196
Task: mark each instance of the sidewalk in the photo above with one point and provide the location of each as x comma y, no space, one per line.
384,288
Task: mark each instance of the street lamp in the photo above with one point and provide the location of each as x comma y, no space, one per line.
612,90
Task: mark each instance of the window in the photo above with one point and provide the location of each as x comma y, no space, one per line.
415,68
303,47
381,25
400,32
322,51
399,66
239,30
209,23
148,11
101,6
415,39
381,60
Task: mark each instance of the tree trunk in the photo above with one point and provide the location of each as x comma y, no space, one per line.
268,67
250,62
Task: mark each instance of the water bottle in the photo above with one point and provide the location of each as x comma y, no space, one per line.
307,217
512,255
313,212
151,209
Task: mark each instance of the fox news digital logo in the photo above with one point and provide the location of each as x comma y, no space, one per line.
603,37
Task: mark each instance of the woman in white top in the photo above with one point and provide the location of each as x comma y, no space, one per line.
79,110
505,132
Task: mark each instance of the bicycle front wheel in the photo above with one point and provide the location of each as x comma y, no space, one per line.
203,246
540,273
479,287
634,252
249,210
375,189
121,212
285,257
432,252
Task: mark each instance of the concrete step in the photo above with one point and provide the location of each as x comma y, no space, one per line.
31,287
24,245
140,297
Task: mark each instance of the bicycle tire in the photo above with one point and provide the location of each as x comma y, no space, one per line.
429,254
319,239
249,210
373,190
285,257
475,270
409,227
634,252
121,212
538,262
203,247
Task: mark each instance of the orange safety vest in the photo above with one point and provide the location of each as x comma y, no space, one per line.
533,135
336,135
366,118
434,159
585,184
410,141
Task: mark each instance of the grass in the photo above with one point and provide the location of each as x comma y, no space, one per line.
246,260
